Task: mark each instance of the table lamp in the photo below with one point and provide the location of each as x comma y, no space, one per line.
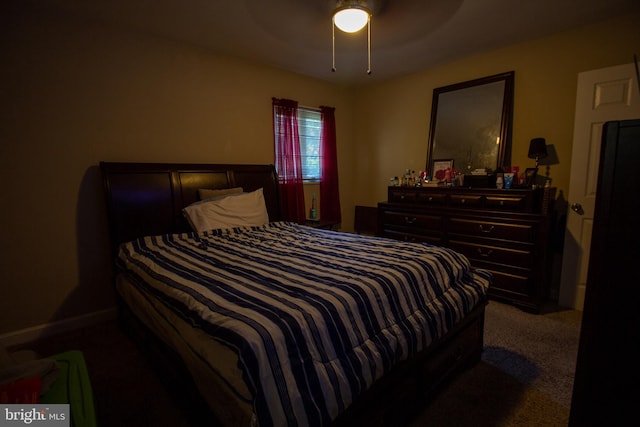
537,149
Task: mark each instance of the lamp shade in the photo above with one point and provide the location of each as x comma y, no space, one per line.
537,148
351,20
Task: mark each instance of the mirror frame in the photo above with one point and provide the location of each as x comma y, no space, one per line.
504,147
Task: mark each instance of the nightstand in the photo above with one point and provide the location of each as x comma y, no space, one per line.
321,223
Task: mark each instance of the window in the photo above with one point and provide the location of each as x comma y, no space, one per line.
309,130
298,135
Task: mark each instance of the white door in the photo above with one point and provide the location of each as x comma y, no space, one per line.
603,95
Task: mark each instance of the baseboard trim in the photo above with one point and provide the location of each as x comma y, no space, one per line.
48,329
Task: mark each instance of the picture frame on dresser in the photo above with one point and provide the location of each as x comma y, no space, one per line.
530,177
441,165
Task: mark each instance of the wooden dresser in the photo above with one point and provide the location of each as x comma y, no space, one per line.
504,231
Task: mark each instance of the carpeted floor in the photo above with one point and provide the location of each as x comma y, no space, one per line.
538,350
525,377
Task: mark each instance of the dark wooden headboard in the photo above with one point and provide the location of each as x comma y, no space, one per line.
145,199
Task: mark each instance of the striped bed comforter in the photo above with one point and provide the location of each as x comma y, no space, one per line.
315,316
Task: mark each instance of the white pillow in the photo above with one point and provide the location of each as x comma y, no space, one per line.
236,210
206,193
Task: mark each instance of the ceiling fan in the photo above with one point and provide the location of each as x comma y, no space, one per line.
352,16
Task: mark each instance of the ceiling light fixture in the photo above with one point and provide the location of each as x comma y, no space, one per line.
351,16
351,20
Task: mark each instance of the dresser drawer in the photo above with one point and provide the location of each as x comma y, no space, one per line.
466,200
508,281
492,229
408,236
402,196
494,254
432,198
506,202
409,219
505,284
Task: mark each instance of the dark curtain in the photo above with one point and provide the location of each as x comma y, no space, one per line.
329,193
288,159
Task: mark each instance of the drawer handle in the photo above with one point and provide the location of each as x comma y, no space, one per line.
486,230
462,201
485,253
410,220
501,202
402,197
431,199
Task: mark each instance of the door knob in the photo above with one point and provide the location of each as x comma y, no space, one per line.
577,208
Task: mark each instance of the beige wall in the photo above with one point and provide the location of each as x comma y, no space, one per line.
393,118
74,94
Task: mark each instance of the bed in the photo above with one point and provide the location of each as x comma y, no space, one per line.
276,323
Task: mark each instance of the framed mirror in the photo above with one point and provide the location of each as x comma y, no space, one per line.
471,124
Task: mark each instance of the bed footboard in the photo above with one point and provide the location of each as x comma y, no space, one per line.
396,398
392,401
